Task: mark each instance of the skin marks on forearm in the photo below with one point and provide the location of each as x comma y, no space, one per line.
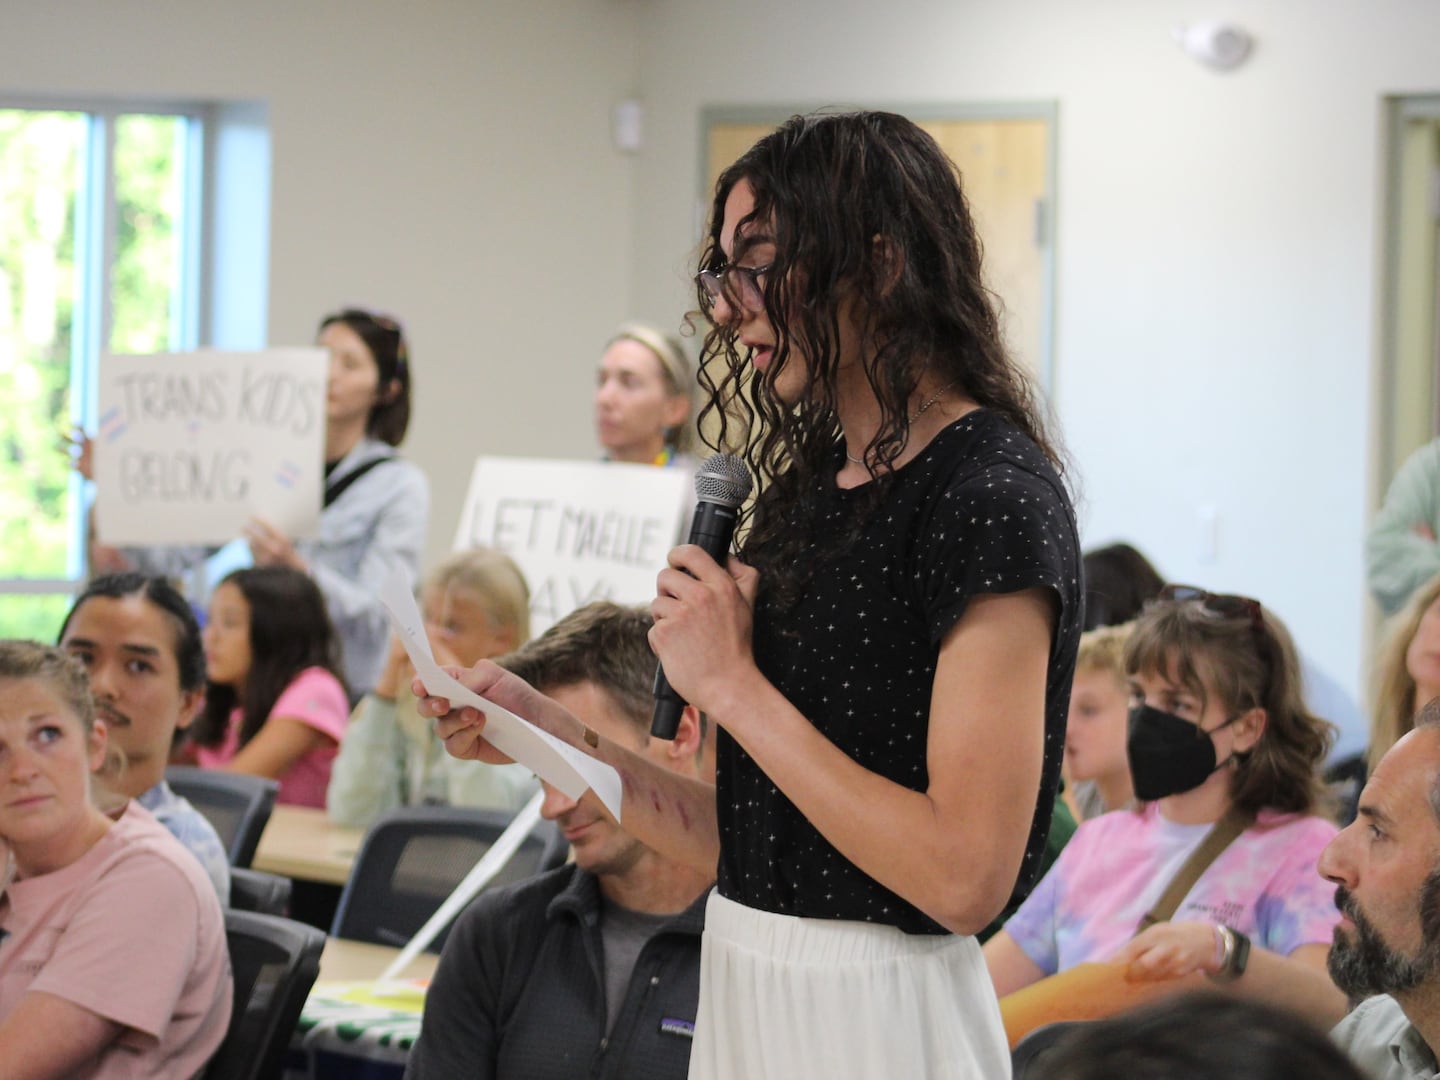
644,791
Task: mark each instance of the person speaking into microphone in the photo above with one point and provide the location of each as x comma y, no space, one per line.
888,657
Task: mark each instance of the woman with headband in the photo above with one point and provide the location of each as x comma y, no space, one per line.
642,398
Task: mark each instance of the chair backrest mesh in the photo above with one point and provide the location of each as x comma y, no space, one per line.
274,962
237,805
413,859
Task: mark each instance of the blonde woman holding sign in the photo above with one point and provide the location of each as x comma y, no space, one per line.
643,405
642,398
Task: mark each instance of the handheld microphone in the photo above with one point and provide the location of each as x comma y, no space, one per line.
721,485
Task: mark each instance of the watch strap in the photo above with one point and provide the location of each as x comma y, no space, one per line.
1236,954
1240,958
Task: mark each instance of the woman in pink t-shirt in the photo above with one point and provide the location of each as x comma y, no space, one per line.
275,704
1217,728
112,943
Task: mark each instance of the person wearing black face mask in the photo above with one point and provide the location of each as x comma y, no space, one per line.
1168,754
1214,872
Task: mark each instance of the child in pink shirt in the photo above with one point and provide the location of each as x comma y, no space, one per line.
275,703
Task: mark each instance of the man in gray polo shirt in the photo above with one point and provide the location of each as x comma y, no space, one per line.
592,970
1387,869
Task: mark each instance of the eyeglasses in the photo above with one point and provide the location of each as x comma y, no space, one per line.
739,285
1226,605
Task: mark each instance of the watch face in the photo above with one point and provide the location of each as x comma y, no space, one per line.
1242,953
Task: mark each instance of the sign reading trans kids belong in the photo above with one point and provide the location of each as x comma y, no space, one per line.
579,530
190,446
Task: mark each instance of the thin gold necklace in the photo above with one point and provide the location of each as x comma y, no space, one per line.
913,416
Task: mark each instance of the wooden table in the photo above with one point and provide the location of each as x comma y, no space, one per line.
355,961
301,843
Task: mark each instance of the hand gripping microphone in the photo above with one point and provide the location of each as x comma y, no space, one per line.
721,485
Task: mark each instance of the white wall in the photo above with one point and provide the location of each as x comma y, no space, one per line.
1217,244
445,160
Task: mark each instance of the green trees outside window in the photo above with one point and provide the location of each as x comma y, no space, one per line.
97,214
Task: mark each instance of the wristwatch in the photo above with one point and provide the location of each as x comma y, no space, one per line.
1236,954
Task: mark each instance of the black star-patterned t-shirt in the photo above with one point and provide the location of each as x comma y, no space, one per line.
980,510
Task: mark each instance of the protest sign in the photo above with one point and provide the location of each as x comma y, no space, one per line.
190,446
579,530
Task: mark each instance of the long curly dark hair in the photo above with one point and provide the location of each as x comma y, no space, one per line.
864,210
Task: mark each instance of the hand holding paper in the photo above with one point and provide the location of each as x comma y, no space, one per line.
553,761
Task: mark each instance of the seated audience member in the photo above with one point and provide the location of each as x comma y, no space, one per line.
476,605
1219,737
140,644
1118,582
1386,869
274,703
113,958
1197,1036
1401,551
376,504
592,969
1407,669
1405,675
1095,759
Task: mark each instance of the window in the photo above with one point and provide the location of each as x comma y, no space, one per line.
100,227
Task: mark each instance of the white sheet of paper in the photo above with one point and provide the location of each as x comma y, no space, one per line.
553,761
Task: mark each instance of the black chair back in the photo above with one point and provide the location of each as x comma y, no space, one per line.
255,890
412,859
275,962
237,805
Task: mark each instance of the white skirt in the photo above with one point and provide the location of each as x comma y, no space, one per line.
785,998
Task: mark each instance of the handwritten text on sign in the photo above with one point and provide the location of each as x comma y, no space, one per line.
190,446
579,530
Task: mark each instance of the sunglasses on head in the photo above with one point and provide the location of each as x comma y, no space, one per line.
1226,605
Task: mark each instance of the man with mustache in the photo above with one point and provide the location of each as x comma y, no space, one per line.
139,642
1386,866
592,969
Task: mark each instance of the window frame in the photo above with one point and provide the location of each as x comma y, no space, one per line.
95,250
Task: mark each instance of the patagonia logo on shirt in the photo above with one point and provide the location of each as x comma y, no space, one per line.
671,1026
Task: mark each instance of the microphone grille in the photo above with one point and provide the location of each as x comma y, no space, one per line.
722,479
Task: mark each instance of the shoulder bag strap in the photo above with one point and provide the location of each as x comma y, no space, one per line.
1216,840
339,487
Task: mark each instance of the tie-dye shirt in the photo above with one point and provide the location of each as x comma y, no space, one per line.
1116,867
